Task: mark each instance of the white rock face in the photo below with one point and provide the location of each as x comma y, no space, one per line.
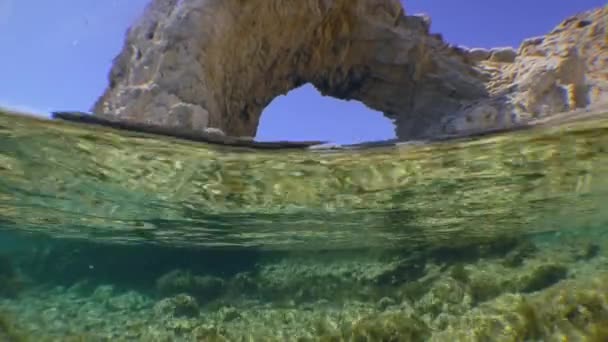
217,63
566,70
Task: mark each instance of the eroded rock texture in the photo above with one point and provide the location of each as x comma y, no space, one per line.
566,70
204,64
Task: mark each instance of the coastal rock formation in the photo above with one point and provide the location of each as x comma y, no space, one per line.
216,64
563,71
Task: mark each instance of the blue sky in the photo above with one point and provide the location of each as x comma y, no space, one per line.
56,56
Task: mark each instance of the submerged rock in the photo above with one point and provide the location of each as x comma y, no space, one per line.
588,251
103,293
214,65
129,301
8,330
11,282
389,327
181,305
204,288
572,310
459,296
519,254
542,277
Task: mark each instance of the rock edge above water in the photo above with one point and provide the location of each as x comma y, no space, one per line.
201,64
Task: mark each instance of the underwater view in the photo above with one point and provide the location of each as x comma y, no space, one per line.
118,235
333,171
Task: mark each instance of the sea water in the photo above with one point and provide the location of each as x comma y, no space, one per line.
109,235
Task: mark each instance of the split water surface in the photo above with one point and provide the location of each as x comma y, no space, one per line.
118,235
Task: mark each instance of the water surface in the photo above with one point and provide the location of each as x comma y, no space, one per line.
70,180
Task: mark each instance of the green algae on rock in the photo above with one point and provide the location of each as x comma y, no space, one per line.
203,287
471,299
8,331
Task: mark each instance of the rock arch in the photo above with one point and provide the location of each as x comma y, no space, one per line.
217,63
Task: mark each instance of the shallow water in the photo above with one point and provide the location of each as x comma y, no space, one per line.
68,180
91,216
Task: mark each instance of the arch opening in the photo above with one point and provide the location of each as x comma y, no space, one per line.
305,114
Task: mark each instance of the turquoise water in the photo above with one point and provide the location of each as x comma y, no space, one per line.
115,235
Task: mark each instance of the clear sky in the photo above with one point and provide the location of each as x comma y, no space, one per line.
56,56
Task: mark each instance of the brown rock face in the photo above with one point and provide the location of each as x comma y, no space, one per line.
204,64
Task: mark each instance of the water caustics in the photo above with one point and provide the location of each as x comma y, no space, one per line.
71,180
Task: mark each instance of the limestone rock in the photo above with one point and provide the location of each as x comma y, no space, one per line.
214,131
552,84
215,64
426,19
530,47
564,71
478,118
571,62
479,54
503,55
218,63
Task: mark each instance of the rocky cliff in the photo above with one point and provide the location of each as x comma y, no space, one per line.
203,64
564,71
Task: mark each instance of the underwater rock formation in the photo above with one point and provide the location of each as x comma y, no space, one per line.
178,306
215,64
178,282
557,291
11,282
